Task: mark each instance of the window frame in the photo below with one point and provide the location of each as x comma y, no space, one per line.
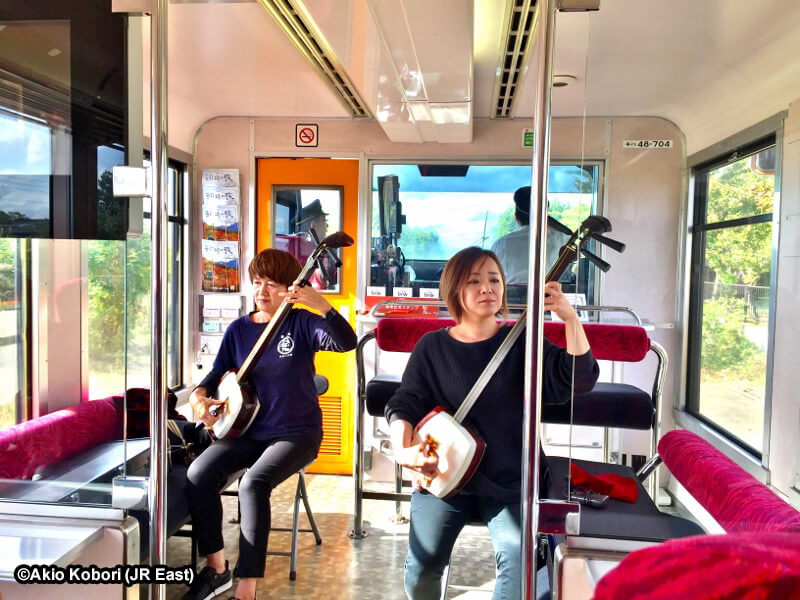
177,231
336,290
177,224
730,151
594,277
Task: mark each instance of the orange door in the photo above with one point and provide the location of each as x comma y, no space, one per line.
336,454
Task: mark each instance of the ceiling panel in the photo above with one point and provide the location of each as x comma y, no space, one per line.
235,60
682,60
632,57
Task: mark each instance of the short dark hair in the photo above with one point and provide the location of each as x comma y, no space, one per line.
277,265
522,200
457,271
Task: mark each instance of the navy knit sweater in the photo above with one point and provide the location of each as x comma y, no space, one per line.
284,375
442,370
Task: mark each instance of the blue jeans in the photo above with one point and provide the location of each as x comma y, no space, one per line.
435,525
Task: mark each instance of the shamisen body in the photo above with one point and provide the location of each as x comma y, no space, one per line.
440,372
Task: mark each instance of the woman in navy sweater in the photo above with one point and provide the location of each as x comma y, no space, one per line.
286,433
442,369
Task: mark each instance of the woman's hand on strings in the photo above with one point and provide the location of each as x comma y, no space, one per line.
307,296
201,405
556,301
422,460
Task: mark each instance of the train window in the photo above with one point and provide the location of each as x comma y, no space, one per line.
423,214
62,97
730,307
119,298
304,216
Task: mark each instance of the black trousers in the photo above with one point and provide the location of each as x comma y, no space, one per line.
269,462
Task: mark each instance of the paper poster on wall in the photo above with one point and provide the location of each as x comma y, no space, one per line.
220,178
221,223
221,302
220,233
220,266
219,196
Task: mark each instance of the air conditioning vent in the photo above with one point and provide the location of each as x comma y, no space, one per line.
331,426
318,53
518,40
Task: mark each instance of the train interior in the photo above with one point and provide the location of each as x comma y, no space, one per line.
408,125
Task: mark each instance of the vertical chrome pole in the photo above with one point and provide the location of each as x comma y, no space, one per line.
544,25
158,293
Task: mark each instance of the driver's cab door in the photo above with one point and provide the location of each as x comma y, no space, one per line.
298,202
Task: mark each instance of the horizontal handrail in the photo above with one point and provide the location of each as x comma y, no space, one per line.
421,302
512,307
625,309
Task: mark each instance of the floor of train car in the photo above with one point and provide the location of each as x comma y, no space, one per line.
342,568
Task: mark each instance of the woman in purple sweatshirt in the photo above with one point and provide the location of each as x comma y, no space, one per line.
286,433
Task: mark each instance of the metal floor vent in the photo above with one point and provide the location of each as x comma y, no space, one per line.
518,40
318,54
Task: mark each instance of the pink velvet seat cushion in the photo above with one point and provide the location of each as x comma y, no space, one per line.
736,499
740,566
57,436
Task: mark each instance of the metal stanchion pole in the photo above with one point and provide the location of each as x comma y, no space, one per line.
158,293
544,26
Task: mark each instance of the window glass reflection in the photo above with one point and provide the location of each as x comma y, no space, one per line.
24,177
303,218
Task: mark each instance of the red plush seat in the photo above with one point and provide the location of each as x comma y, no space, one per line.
758,558
740,566
57,436
736,499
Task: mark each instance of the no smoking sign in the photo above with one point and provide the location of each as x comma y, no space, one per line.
306,134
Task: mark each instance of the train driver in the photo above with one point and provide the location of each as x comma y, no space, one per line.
512,249
313,218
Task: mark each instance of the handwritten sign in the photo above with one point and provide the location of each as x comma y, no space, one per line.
215,196
220,178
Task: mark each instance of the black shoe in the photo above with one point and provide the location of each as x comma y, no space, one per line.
208,583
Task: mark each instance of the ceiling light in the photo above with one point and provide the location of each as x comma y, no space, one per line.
53,52
563,80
